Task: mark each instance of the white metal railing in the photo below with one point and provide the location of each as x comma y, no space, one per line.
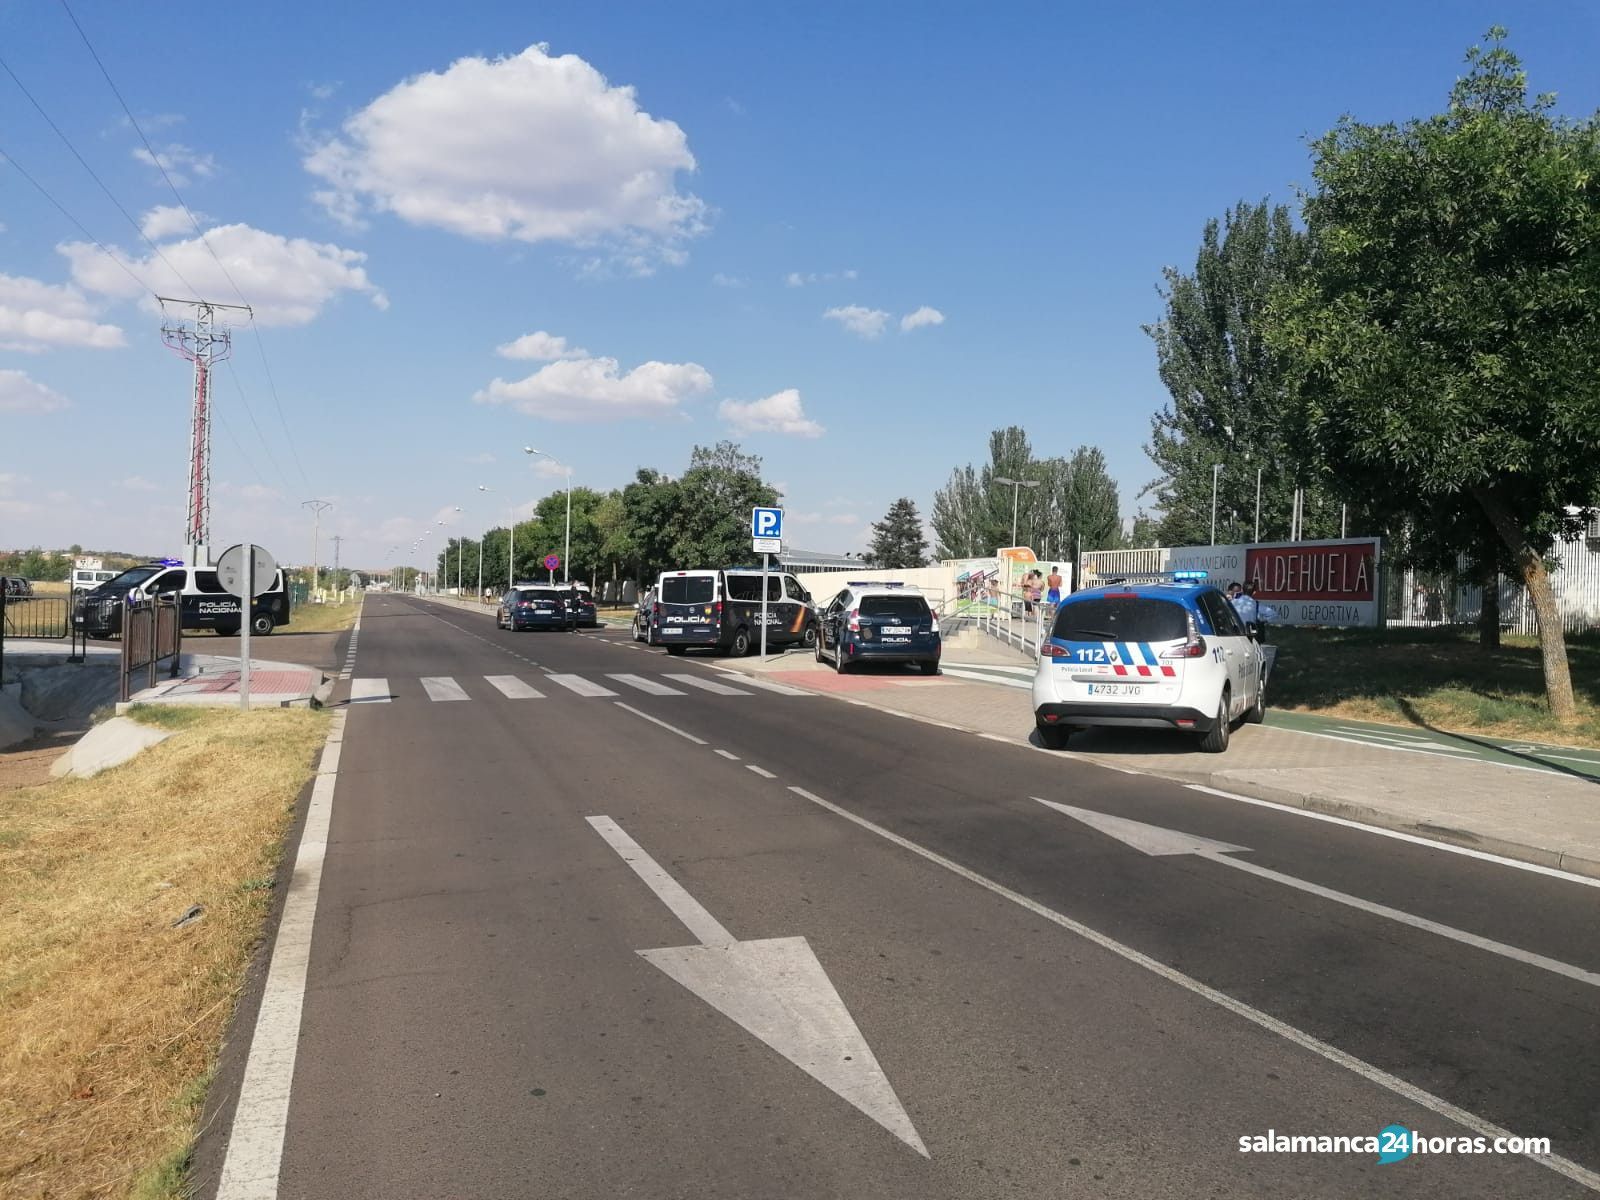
1009,620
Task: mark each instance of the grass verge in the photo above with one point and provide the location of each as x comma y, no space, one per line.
1437,678
113,1016
322,618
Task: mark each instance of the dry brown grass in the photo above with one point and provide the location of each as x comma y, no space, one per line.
112,1017
323,618
57,587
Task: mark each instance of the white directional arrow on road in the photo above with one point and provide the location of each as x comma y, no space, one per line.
1154,840
775,989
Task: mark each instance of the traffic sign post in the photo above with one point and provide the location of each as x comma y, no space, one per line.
245,571
551,562
766,538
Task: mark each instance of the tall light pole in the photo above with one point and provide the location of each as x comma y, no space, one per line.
1216,472
566,554
1016,486
316,507
481,540
1258,504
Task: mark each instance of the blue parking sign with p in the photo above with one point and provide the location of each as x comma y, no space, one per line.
766,522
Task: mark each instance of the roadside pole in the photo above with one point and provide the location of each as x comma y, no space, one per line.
766,539
248,603
766,566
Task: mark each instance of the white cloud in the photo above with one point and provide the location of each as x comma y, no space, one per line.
181,164
867,323
540,346
20,394
549,469
780,412
529,147
138,483
796,279
164,220
727,281
286,280
595,389
36,316
923,316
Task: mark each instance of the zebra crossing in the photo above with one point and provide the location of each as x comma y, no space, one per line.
444,689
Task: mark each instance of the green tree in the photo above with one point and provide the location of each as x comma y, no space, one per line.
898,540
1226,384
1444,344
1074,506
713,503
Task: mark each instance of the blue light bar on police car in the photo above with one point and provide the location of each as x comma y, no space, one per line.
1191,574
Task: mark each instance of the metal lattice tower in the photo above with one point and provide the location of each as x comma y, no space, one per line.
203,344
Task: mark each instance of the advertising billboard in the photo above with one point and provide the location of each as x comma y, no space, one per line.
1308,583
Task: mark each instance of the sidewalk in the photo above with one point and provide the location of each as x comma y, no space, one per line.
207,679
1533,815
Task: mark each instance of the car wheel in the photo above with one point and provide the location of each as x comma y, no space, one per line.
1054,737
741,643
840,666
262,624
1216,741
809,638
1257,712
929,666
816,648
676,651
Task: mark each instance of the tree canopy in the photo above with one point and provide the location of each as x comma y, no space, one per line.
1443,345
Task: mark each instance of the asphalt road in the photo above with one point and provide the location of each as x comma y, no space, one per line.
1035,1008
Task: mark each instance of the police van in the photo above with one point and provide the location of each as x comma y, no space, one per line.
721,610
1165,652
204,602
86,579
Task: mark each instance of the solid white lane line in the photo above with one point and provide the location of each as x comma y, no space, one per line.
255,1143
577,683
513,688
442,687
689,737
1255,1016
1397,835
779,688
648,686
369,691
1001,680
706,928
729,757
707,685
1334,737
761,771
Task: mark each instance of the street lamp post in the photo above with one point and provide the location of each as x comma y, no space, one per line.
566,554
1216,472
1016,486
481,540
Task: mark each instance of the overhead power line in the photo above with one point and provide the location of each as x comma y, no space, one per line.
200,233
82,162
62,209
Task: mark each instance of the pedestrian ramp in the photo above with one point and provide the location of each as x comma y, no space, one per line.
446,689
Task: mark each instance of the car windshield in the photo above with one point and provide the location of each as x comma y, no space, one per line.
688,589
905,608
133,577
542,594
1121,619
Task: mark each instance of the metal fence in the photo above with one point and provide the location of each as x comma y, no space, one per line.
152,633
1418,599
42,617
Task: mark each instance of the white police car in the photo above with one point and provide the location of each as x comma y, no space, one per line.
1167,654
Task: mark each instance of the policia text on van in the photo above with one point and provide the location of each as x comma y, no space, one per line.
203,600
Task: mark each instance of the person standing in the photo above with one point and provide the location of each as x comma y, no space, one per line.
1053,586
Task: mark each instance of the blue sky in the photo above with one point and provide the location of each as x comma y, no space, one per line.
400,193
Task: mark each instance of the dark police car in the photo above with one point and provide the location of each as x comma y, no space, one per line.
204,602
879,622
722,610
530,607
